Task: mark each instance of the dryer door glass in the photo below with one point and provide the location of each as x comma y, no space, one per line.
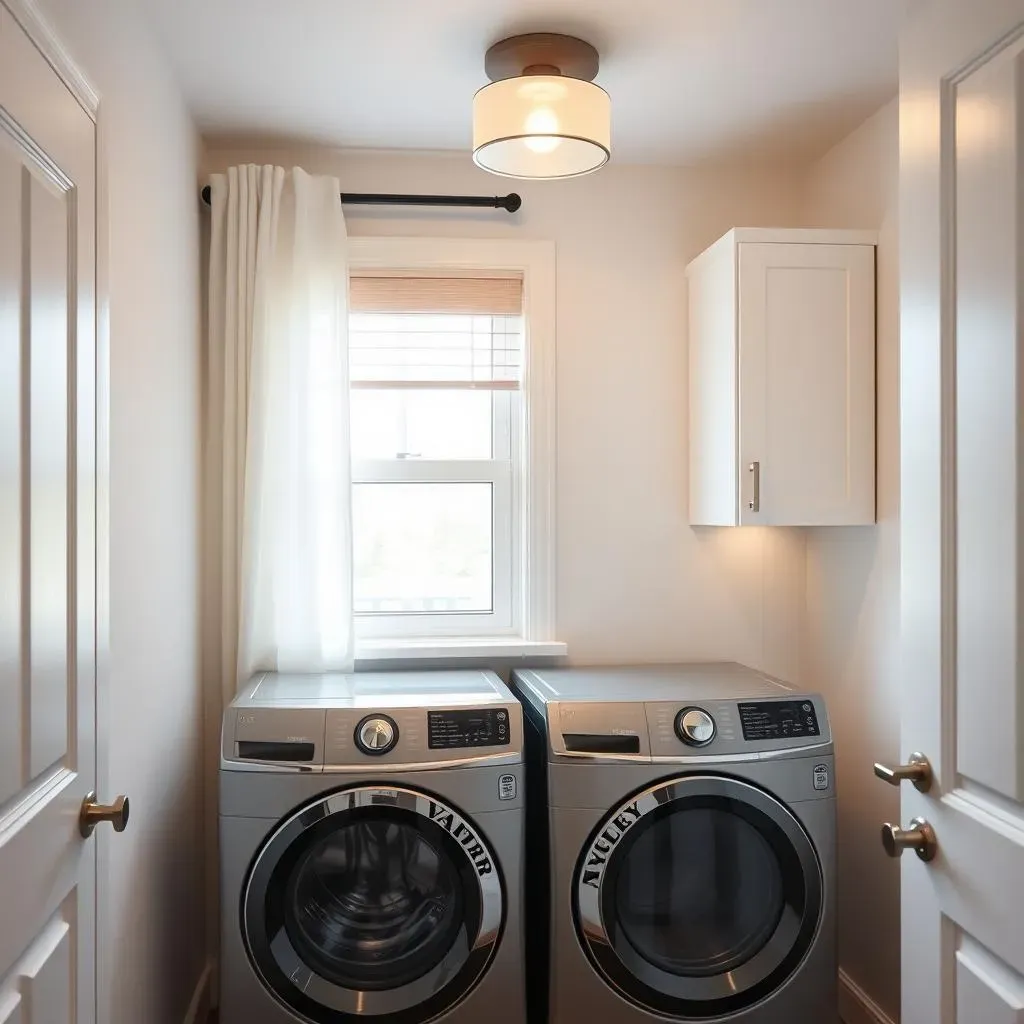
700,892
373,902
698,897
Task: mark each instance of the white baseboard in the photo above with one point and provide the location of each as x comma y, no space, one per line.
856,1006
200,1004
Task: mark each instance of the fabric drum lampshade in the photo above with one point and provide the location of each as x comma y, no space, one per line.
541,126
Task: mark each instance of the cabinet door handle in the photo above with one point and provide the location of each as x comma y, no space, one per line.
755,501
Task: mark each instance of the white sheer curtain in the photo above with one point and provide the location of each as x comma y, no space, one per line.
278,502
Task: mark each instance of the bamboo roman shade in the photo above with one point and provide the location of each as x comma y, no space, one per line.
408,331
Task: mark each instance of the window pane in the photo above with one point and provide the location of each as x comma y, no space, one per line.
422,547
414,423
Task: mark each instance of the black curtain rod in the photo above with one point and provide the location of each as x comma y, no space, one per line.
511,202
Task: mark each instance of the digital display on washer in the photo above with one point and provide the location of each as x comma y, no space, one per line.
485,727
778,720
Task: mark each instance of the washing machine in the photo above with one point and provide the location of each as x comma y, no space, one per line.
371,844
682,819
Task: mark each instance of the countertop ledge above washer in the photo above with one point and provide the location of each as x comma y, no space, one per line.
458,647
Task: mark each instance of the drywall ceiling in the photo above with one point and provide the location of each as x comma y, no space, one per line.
691,81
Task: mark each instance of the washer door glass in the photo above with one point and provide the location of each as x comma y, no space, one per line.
698,897
372,902
700,892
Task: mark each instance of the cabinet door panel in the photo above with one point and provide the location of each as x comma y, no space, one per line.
807,382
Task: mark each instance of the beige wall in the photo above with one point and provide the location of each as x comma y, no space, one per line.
635,583
151,943
851,632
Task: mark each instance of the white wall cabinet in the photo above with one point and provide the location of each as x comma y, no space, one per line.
782,379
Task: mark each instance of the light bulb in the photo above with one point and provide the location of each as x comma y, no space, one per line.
541,143
541,128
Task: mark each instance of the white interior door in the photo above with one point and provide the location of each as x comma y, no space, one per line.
962,494
47,541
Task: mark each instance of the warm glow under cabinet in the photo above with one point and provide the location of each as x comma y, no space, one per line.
782,379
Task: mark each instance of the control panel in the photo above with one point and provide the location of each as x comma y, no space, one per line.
343,738
479,727
728,728
778,719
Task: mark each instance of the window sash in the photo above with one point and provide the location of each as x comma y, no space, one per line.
506,588
501,619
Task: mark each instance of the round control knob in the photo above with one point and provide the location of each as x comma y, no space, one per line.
376,734
695,727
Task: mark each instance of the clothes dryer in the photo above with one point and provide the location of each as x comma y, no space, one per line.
683,821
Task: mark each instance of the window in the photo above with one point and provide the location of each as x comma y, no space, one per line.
447,490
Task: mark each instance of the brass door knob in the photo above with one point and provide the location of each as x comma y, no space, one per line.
93,813
918,770
920,838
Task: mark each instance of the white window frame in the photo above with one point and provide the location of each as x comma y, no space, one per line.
527,624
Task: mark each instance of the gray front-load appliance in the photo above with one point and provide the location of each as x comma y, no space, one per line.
683,818
371,838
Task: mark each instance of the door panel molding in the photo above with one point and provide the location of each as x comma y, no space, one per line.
38,28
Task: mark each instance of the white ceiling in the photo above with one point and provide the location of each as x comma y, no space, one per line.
691,80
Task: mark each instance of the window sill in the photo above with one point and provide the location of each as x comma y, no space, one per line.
447,648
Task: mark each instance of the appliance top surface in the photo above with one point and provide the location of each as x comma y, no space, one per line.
373,690
685,682
371,722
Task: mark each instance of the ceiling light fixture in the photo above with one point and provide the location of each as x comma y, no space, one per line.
541,116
